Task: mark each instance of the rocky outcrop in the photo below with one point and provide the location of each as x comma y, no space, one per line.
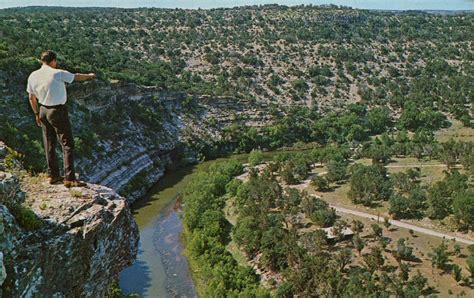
147,130
82,238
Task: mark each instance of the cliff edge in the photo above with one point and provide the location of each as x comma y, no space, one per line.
60,242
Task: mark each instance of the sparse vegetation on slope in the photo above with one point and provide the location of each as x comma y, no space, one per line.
322,57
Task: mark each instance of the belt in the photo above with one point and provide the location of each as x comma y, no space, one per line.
51,107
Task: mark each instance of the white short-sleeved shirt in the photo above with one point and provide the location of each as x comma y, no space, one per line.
48,85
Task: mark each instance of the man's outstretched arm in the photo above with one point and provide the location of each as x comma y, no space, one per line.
35,107
84,76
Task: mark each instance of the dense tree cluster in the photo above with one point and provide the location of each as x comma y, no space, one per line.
369,184
208,233
408,198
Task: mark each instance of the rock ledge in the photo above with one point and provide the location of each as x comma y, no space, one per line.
87,236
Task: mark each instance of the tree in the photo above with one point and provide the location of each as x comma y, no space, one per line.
441,195
255,157
324,217
438,201
448,153
439,256
291,201
337,171
342,258
470,265
404,271
369,184
299,85
376,231
359,243
379,153
457,249
274,252
319,211
403,251
383,242
414,174
374,260
314,241
357,226
408,205
378,119
470,248
285,290
320,183
275,80
457,272
413,117
418,281
301,165
287,175
386,222
409,117
338,229
463,209
402,183
233,186
247,235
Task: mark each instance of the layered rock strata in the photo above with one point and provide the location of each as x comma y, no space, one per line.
133,151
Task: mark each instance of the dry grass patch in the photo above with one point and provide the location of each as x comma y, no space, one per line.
443,282
457,131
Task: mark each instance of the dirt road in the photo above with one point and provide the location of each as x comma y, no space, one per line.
404,225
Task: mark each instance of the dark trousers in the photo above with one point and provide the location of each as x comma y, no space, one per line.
56,126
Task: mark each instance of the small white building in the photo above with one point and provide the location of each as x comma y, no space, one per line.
346,232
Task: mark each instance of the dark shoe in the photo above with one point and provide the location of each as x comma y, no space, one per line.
74,183
55,180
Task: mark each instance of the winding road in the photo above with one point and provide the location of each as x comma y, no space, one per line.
404,225
397,223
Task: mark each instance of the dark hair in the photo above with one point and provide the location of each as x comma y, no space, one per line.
48,56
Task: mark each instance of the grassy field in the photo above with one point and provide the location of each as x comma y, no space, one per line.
457,131
431,171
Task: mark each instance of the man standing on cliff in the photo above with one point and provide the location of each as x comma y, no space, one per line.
47,94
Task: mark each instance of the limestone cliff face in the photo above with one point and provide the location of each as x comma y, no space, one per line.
133,151
84,238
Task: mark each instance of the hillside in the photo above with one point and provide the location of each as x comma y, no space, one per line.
272,57
286,55
379,103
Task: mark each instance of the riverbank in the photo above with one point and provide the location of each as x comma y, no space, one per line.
157,216
160,269
208,232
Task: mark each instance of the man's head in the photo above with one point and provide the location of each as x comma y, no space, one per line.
49,58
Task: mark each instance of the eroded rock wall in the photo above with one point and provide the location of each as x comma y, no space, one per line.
132,155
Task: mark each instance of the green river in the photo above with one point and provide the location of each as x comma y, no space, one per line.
160,269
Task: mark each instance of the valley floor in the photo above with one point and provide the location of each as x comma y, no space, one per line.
422,235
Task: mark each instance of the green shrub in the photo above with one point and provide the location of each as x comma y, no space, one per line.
26,217
12,159
320,183
255,157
